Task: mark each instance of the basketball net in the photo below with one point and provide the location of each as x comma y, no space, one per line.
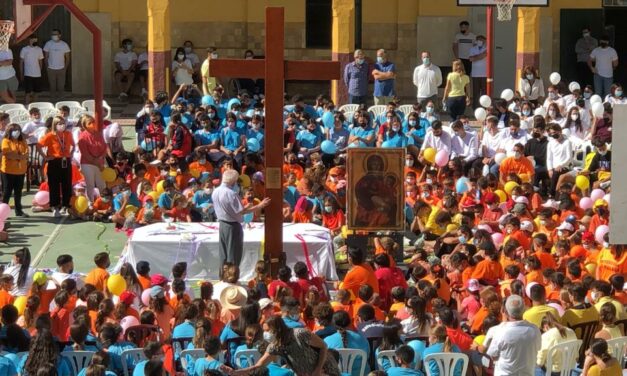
504,8
7,27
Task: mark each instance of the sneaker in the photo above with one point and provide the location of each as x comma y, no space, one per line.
56,213
64,211
21,214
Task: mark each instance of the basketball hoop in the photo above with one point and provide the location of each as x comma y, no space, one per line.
7,27
504,8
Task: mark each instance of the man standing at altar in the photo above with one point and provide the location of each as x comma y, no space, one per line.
229,211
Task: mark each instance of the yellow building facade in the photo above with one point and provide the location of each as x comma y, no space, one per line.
402,27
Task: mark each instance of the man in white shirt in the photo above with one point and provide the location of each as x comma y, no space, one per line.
8,80
31,62
514,344
603,60
559,155
491,143
436,138
427,78
513,135
478,56
464,145
464,41
125,64
57,55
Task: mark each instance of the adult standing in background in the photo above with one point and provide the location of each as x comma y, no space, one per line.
584,46
8,80
93,148
208,83
31,62
531,86
457,92
356,78
603,60
188,47
57,54
13,167
384,74
478,57
464,40
229,211
427,78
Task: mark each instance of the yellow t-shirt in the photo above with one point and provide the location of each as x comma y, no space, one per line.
535,314
613,370
10,165
574,316
457,84
204,72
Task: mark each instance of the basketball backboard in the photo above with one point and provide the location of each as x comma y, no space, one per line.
519,3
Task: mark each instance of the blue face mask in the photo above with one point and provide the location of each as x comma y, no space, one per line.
212,115
412,123
462,239
235,188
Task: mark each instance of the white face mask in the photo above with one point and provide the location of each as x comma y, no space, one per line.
180,56
530,76
214,56
56,38
396,128
479,43
409,162
552,113
574,117
595,295
268,337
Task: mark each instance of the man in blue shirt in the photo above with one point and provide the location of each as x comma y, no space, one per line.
362,133
356,79
384,74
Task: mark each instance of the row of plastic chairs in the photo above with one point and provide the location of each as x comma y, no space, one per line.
75,106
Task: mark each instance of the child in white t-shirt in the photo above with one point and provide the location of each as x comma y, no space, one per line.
35,127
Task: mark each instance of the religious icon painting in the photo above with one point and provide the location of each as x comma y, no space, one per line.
375,189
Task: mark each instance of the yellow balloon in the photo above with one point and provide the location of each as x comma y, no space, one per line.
509,187
502,195
244,181
116,284
154,195
20,304
525,178
160,189
582,182
108,175
130,209
429,155
591,268
195,173
81,204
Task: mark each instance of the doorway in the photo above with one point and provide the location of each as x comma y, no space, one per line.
616,28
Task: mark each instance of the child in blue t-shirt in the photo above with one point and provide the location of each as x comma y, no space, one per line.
212,348
404,357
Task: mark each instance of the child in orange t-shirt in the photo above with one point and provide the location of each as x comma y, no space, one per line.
180,211
143,274
149,213
60,316
98,276
180,297
303,211
343,302
6,285
398,301
102,206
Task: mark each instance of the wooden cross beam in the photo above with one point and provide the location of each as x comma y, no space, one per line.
274,69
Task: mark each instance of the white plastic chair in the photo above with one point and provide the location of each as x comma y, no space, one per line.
377,110
349,108
74,110
568,353
252,356
41,105
78,114
90,105
617,347
446,363
19,116
130,358
348,357
78,359
385,354
11,106
48,112
406,109
70,104
192,353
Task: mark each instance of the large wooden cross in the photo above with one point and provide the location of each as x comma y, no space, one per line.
275,70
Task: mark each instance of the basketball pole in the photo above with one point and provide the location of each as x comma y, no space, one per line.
489,50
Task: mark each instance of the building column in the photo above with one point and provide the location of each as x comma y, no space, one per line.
342,44
528,40
158,46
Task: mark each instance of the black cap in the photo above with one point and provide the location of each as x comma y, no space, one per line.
142,267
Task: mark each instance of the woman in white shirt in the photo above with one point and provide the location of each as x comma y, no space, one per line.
22,272
553,115
182,69
526,115
8,80
576,125
553,333
531,86
420,322
616,95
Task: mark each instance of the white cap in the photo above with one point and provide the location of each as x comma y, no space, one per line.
526,226
566,226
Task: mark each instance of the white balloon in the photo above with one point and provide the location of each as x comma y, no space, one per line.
566,132
597,109
574,86
480,114
485,101
499,157
507,94
555,78
596,99
540,111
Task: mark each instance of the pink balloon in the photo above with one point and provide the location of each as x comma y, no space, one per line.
606,198
5,210
600,233
586,203
597,194
441,158
127,322
498,238
146,297
1,226
42,198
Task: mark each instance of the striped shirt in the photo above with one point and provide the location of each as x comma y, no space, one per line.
356,79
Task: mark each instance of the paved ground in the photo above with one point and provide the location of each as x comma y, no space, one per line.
48,237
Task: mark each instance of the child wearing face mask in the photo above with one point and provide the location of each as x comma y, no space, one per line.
102,206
